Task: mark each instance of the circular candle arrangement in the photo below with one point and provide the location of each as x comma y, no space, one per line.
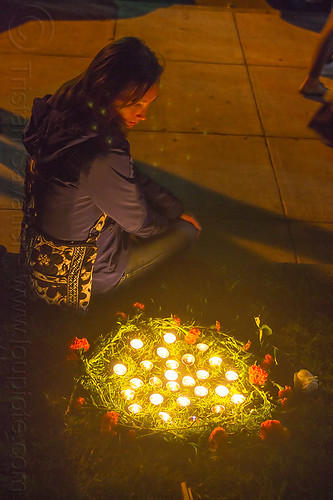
174,378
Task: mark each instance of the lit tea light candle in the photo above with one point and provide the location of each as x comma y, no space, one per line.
136,343
156,399
157,382
202,347
218,408
188,359
136,383
134,408
237,399
230,375
169,337
221,390
202,374
162,352
215,361
172,364
200,391
146,365
165,416
128,394
188,381
183,401
171,375
172,386
119,369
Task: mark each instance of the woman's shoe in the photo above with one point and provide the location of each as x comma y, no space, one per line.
318,90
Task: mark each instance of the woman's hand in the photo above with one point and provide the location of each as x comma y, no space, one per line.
192,220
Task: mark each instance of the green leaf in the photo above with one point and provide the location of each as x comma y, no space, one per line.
266,330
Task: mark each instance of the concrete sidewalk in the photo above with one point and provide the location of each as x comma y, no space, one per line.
228,133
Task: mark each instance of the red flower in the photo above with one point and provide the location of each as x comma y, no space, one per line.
286,394
218,439
257,375
109,422
176,319
268,361
247,346
272,431
192,336
79,403
218,326
77,344
121,314
139,305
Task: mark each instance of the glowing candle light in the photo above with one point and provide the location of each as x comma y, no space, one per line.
136,343
165,416
119,369
128,394
169,337
221,390
136,383
230,375
200,391
172,386
156,399
192,418
183,401
172,364
202,347
162,352
171,375
202,374
215,361
188,381
188,359
146,365
157,382
237,399
218,408
134,408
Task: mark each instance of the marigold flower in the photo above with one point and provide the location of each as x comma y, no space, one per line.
268,361
77,344
121,314
109,422
192,336
257,375
139,305
176,319
285,394
247,346
218,326
218,438
79,403
272,431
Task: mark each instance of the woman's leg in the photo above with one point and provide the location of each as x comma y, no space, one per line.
323,51
148,253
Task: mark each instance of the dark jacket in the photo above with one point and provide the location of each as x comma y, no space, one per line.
79,175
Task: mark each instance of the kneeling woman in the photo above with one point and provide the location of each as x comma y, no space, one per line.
91,218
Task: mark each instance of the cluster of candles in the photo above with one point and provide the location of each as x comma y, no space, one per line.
172,377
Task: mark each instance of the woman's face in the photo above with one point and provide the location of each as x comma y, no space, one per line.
133,113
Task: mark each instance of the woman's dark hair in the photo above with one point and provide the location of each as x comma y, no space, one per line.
126,68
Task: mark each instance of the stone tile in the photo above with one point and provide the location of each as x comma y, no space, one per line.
204,98
25,77
313,243
284,112
272,40
304,173
225,177
10,229
83,38
187,33
245,243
